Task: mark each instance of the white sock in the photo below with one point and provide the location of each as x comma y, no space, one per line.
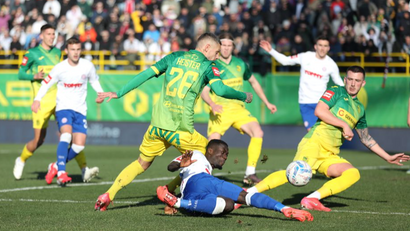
60,172
252,190
250,170
178,204
315,194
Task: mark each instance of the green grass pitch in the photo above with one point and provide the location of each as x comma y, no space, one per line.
379,201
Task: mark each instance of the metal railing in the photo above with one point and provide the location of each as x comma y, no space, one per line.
101,60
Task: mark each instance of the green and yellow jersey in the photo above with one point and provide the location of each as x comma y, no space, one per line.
232,75
344,107
185,75
35,60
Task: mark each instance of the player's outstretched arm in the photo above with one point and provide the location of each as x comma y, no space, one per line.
265,45
259,91
371,144
227,92
281,58
216,108
102,95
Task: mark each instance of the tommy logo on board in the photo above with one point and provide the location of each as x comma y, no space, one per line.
215,70
328,95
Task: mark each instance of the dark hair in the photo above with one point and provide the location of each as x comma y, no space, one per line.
322,37
356,69
210,36
216,143
72,40
45,27
226,35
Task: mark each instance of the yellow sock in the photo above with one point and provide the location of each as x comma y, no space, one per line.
25,154
126,176
272,181
254,151
174,184
80,158
339,184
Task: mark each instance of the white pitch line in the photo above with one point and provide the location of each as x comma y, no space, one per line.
367,212
163,178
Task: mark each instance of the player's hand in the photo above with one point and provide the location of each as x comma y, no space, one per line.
39,75
103,95
300,215
272,108
249,97
216,108
99,99
347,133
186,159
398,159
265,45
35,106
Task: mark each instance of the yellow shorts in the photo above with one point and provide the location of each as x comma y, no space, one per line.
232,117
317,155
47,106
157,140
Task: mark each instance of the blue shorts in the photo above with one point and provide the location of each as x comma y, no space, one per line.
308,114
69,117
203,186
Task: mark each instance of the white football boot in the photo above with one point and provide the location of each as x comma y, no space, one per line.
18,168
90,173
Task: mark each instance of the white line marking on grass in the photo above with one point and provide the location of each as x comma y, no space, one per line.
367,212
63,201
167,178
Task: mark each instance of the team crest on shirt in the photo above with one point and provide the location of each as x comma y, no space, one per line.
83,76
64,120
328,95
24,62
238,68
216,72
324,68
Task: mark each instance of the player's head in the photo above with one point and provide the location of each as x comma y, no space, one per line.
73,50
322,46
217,152
354,80
47,35
209,45
227,45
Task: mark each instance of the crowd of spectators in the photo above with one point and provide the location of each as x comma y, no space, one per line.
156,27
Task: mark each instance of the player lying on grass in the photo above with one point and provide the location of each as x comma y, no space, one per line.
339,111
202,192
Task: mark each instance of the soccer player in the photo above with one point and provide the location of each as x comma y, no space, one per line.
71,76
227,112
202,192
339,111
315,68
186,73
36,64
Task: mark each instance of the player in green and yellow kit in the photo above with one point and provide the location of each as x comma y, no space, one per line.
36,64
229,112
172,123
339,111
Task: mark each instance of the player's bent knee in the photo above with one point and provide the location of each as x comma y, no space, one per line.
220,206
77,148
66,137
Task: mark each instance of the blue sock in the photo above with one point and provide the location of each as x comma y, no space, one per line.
62,153
260,200
71,154
206,205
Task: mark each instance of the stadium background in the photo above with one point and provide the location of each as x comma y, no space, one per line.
107,28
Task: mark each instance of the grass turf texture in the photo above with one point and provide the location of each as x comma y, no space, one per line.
379,201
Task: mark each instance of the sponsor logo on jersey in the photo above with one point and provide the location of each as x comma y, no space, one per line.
24,62
71,85
48,79
45,68
328,95
313,74
42,57
346,116
216,72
